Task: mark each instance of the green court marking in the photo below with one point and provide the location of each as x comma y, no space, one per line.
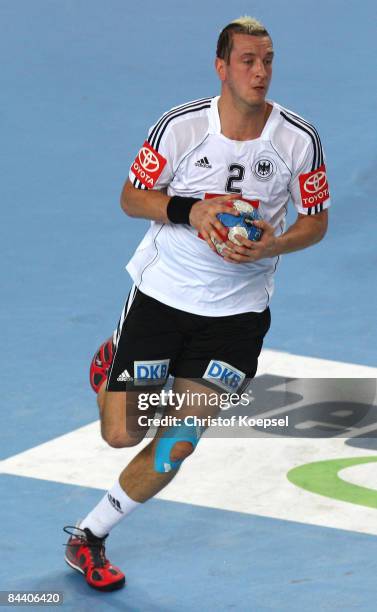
322,477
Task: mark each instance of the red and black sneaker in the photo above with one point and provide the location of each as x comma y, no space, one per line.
86,554
100,364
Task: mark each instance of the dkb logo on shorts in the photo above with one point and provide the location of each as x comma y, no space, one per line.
151,372
224,375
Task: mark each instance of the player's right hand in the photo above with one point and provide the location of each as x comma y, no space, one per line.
203,217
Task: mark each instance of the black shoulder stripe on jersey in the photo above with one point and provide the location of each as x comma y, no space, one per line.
178,109
312,132
191,110
155,136
297,122
311,127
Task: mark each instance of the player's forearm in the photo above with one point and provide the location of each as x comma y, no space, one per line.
144,204
305,232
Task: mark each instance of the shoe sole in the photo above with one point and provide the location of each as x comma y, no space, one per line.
110,587
73,566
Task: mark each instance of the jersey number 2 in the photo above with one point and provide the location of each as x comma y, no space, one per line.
237,174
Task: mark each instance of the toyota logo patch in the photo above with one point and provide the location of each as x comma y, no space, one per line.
315,182
148,160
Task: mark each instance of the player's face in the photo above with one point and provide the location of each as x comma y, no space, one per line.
248,74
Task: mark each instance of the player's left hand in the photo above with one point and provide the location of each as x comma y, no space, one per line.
250,250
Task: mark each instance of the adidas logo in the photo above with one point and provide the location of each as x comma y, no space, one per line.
203,163
115,503
124,377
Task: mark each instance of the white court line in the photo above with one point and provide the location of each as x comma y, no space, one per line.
245,475
287,364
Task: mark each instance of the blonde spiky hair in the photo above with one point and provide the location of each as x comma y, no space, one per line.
242,25
249,23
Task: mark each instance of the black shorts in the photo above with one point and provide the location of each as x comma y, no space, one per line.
154,340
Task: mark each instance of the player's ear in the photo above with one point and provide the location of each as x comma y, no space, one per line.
220,67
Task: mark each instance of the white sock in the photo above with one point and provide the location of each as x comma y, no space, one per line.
112,508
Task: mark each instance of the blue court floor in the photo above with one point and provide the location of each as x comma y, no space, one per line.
183,557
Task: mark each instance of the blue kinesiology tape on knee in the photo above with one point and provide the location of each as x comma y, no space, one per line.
178,433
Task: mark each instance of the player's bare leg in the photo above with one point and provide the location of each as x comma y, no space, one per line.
139,479
117,429
112,413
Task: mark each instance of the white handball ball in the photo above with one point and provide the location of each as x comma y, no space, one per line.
242,225
240,231
243,207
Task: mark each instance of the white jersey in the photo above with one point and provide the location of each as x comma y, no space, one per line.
187,155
